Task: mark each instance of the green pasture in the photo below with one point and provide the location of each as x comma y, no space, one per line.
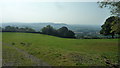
64,51
11,57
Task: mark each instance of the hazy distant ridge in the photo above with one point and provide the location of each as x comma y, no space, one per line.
38,26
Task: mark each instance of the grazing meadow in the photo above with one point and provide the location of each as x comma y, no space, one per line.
60,51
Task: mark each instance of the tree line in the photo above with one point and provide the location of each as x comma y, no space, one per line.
61,32
17,29
49,30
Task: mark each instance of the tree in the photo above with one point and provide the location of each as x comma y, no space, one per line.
111,26
21,30
17,29
113,6
49,30
70,34
64,32
27,29
61,32
10,28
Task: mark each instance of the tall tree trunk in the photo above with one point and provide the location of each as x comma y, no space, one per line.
112,35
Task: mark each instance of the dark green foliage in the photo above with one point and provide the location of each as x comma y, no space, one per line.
10,28
26,29
64,32
17,29
71,34
61,32
49,30
111,26
116,26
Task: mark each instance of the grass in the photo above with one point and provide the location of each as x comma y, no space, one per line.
66,52
12,57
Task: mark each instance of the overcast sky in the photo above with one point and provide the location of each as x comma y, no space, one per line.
57,12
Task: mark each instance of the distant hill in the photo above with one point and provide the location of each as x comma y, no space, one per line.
38,26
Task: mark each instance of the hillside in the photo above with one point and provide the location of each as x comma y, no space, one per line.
66,52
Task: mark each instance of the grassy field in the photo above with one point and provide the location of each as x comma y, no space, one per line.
65,52
11,57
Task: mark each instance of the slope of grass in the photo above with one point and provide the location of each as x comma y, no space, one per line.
11,57
63,51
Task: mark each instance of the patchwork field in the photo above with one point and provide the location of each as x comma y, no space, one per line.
57,51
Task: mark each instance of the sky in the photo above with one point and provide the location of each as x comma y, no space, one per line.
57,12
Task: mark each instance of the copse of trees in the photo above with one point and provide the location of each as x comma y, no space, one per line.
49,30
17,29
26,29
61,32
64,32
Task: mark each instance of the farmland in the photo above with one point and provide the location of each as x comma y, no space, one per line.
60,51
